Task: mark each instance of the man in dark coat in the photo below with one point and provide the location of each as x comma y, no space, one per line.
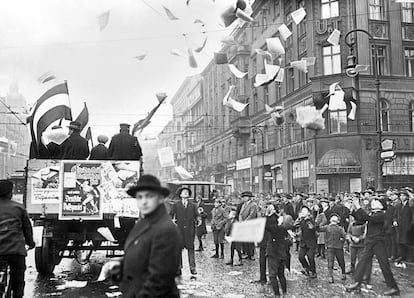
16,232
75,147
185,214
123,146
404,223
152,248
100,152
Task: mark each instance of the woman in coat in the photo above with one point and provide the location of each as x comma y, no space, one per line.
320,220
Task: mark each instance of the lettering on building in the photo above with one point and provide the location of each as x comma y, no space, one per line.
296,150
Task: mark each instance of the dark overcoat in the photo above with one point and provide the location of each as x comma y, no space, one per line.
75,147
405,223
123,146
186,219
277,245
151,259
99,152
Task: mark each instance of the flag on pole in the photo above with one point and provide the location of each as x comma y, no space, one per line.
141,124
88,135
83,117
52,106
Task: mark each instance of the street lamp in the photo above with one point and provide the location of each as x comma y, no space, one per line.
258,130
352,71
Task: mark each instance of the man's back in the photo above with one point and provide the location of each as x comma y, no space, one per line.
75,147
15,229
124,147
99,152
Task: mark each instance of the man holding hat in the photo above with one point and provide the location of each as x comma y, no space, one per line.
152,248
15,232
75,147
100,152
123,146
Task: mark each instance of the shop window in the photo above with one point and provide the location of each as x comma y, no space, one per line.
329,8
290,76
382,63
409,62
338,121
407,12
300,175
377,10
385,115
401,165
331,56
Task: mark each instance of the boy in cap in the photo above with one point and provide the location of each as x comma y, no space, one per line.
335,239
15,232
218,222
100,152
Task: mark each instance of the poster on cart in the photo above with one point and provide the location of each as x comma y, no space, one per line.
44,182
93,188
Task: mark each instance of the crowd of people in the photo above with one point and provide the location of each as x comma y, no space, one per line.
367,224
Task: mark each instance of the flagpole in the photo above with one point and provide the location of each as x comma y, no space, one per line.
70,105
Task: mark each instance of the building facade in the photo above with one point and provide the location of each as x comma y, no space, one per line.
14,135
249,151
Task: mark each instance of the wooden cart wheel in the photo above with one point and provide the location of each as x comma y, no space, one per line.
45,257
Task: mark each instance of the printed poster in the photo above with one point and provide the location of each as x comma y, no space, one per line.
44,184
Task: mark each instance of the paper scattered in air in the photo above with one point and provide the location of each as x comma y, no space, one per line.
170,15
280,75
191,59
141,56
361,68
274,46
107,268
270,109
266,54
106,233
233,104
333,39
113,295
103,20
229,40
249,230
298,15
46,77
332,88
299,65
179,53
271,72
352,112
236,72
161,96
284,31
184,174
199,49
72,284
310,61
220,58
166,157
309,117
244,16
336,101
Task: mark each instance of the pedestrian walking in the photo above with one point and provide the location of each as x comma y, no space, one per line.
335,239
185,215
123,146
15,232
276,251
374,245
153,246
75,147
100,152
308,242
218,222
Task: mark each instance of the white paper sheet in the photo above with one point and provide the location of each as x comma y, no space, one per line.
236,72
309,117
170,15
199,49
38,235
333,39
226,97
191,59
274,46
178,53
141,56
166,157
103,20
235,105
332,88
280,75
298,15
336,101
266,54
352,113
310,61
299,65
249,230
244,16
184,174
106,233
284,31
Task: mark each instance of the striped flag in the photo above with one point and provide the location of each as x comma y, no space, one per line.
88,135
52,106
83,117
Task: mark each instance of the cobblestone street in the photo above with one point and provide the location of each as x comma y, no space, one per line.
215,279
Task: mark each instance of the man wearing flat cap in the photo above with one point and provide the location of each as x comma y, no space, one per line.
152,249
248,210
15,233
100,152
123,146
75,147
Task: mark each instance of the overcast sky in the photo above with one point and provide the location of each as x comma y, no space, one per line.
63,36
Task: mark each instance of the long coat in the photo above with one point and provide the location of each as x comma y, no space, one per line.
123,146
186,219
218,218
248,211
75,147
277,246
151,259
99,152
405,223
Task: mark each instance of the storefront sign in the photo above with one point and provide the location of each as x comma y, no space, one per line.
268,176
401,143
355,185
243,164
322,186
337,170
296,150
231,166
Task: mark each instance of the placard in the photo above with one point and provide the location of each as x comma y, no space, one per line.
44,183
322,186
355,185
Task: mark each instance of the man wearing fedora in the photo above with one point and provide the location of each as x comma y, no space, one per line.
185,215
152,248
123,146
15,233
248,210
75,147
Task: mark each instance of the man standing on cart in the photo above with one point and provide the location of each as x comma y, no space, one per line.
123,146
15,232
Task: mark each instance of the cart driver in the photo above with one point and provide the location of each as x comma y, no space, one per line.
15,232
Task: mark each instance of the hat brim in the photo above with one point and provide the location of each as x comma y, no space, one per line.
162,190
